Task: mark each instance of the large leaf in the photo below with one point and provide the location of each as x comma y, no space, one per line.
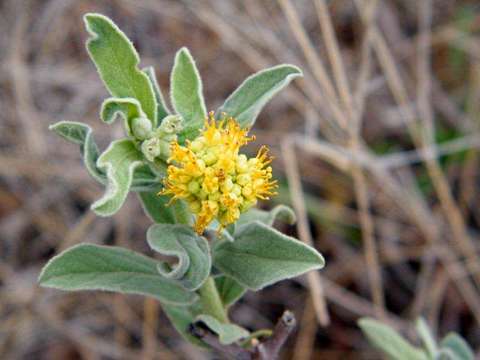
81,134
182,317
192,251
386,339
227,333
162,109
457,346
117,63
186,93
128,108
229,289
246,102
119,160
261,255
281,212
95,267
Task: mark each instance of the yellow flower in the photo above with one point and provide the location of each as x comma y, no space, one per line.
213,178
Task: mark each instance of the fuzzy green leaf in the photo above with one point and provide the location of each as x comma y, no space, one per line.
458,346
229,289
143,178
386,339
117,63
427,338
156,208
110,268
186,94
261,255
182,317
128,108
246,102
192,251
81,134
119,160
227,333
162,109
280,212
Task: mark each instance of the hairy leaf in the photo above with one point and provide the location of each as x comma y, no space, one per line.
186,94
386,339
261,255
128,108
117,63
281,212
119,160
246,102
95,267
81,134
162,109
182,317
192,251
427,338
156,207
227,333
458,346
229,289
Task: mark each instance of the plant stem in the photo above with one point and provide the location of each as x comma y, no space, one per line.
211,302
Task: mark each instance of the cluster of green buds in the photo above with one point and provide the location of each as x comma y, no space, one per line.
156,143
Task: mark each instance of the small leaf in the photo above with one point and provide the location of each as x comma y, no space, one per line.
458,346
128,108
182,317
192,251
227,333
281,212
156,208
260,256
386,339
110,268
186,93
117,63
246,102
427,338
162,109
120,160
81,134
229,290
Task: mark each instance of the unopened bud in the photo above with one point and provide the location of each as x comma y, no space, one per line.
151,148
172,124
141,128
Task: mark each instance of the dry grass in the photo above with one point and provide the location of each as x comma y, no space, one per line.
377,148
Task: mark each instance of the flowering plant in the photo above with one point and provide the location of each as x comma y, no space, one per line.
196,186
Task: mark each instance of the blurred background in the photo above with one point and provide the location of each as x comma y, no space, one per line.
376,149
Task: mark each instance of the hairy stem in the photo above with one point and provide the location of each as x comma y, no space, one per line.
211,302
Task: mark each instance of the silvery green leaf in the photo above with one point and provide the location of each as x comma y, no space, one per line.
119,161
110,268
117,63
227,333
229,289
446,354
458,346
191,250
81,134
182,317
386,339
162,109
128,108
246,102
281,212
156,208
186,94
425,334
261,255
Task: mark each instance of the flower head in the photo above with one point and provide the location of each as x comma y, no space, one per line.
213,178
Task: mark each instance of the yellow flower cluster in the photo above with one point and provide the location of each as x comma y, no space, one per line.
213,178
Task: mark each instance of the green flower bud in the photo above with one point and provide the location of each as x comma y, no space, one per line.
141,128
151,148
172,124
